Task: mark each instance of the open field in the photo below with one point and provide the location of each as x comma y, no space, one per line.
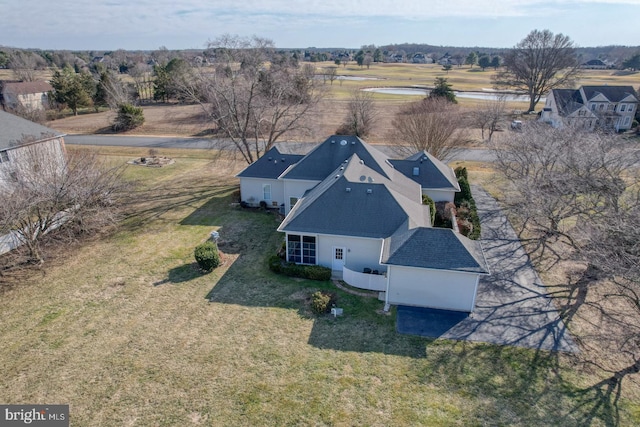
187,120
128,332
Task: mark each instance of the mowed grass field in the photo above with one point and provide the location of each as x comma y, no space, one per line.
127,331
188,120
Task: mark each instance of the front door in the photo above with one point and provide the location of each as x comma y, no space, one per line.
338,258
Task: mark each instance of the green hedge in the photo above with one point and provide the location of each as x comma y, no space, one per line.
312,272
465,199
426,200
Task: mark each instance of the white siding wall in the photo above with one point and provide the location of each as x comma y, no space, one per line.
446,290
50,155
296,188
359,252
440,195
253,188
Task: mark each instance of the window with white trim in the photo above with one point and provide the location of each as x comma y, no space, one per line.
627,120
266,192
301,249
623,107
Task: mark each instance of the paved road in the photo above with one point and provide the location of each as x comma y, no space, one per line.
512,306
479,155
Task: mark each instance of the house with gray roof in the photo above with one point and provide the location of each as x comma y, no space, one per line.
592,107
20,137
29,96
352,209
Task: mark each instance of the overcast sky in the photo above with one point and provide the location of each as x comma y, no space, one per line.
182,24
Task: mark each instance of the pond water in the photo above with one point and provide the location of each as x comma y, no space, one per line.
357,78
415,91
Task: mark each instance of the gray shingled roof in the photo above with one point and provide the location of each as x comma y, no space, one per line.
432,173
23,88
326,157
271,165
358,201
612,93
437,248
14,129
567,100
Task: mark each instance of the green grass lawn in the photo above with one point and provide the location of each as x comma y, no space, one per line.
127,331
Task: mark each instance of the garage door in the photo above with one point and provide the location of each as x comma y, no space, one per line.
431,288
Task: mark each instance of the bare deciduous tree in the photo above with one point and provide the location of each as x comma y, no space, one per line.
433,124
24,65
252,103
46,193
361,115
576,197
490,116
540,62
331,73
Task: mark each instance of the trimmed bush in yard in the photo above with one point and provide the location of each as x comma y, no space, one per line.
322,301
207,255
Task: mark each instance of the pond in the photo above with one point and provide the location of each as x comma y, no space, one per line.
416,91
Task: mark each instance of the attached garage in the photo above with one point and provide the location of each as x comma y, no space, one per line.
434,268
432,288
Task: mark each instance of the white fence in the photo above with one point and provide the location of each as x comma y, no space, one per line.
371,282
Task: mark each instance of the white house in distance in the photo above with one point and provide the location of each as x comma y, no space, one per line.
18,140
30,96
592,107
350,208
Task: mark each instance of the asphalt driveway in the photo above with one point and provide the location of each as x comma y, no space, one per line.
512,307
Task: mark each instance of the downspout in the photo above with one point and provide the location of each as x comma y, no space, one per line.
475,293
387,306
388,275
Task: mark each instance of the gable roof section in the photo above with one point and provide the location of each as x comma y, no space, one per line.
328,156
358,201
13,129
567,101
436,248
432,173
23,88
271,165
612,93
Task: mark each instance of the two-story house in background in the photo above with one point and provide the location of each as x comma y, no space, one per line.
611,108
27,96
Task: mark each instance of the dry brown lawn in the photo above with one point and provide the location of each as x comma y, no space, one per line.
188,120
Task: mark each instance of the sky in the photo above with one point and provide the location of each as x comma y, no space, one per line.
189,24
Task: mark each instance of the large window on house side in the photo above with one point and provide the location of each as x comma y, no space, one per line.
623,107
301,249
266,192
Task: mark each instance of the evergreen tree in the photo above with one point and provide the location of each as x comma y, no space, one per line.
73,89
443,89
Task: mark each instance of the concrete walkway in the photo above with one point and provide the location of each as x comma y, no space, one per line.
512,307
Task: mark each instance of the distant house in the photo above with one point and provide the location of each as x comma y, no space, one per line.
352,209
592,107
421,58
30,96
594,64
19,137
